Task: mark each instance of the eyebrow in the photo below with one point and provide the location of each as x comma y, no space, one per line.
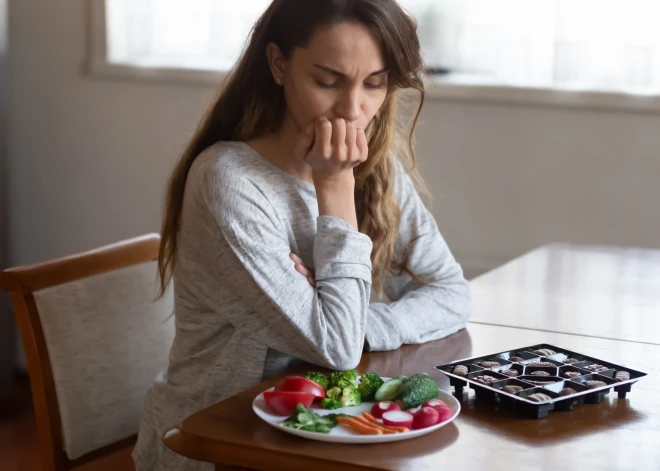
342,75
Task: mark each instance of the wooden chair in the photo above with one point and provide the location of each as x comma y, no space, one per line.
94,338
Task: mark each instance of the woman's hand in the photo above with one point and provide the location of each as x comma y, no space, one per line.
303,270
332,149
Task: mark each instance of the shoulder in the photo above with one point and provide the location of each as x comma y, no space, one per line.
226,176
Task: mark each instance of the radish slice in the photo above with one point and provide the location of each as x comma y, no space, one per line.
438,405
426,417
445,415
383,406
398,418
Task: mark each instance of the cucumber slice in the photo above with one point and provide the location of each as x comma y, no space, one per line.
389,389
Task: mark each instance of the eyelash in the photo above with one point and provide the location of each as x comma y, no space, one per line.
330,86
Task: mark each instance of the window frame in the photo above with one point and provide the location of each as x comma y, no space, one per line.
450,87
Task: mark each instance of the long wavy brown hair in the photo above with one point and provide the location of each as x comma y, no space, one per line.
251,104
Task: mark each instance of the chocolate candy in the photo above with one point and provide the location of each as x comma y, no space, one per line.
515,359
570,361
544,352
485,379
539,382
595,367
572,374
490,364
546,364
621,376
541,373
510,372
567,392
512,389
539,397
460,370
593,384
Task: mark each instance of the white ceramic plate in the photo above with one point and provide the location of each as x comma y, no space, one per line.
341,434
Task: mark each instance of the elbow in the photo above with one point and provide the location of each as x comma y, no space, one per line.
347,360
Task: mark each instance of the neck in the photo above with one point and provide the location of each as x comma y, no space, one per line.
279,149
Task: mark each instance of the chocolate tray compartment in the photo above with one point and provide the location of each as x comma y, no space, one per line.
540,380
537,410
484,363
525,355
508,399
519,369
533,363
566,403
598,393
608,369
571,369
533,371
482,390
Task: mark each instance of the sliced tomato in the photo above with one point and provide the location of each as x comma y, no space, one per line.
300,384
285,402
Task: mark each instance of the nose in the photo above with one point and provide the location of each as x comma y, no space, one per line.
348,105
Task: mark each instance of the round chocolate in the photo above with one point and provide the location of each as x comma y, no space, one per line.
460,370
567,392
485,379
512,389
595,367
621,376
572,374
516,359
541,363
490,364
510,372
593,384
539,397
544,352
570,361
541,373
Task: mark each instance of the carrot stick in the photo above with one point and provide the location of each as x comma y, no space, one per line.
370,418
359,427
377,425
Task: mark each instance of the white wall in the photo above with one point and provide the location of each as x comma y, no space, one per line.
89,158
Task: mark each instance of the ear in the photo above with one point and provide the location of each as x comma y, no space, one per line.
277,62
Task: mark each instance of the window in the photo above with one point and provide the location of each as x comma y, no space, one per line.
607,45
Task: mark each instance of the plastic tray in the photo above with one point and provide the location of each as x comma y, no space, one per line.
548,378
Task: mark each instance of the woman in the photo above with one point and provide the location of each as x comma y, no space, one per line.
288,205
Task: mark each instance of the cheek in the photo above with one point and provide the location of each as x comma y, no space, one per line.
372,104
307,102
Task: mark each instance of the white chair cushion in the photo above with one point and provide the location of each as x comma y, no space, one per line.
107,340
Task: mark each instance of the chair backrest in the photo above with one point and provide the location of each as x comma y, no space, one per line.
95,337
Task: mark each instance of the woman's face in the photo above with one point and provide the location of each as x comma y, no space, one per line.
340,74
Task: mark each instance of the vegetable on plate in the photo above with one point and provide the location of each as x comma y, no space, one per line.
285,402
416,391
369,384
398,418
381,407
425,417
309,421
300,384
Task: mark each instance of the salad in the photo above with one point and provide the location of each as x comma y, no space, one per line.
399,405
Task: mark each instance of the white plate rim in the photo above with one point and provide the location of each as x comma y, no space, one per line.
259,408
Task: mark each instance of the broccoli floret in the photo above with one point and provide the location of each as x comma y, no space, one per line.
369,384
343,379
319,378
350,396
329,403
333,393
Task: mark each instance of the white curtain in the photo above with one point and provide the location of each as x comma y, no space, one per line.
586,44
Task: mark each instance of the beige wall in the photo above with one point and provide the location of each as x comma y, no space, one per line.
89,157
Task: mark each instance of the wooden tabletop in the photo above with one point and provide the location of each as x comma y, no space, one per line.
617,434
607,292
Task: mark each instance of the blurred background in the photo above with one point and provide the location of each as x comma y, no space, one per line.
541,122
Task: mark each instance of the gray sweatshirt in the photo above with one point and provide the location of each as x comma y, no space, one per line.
243,313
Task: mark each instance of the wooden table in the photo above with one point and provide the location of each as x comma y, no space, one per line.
616,434
607,292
